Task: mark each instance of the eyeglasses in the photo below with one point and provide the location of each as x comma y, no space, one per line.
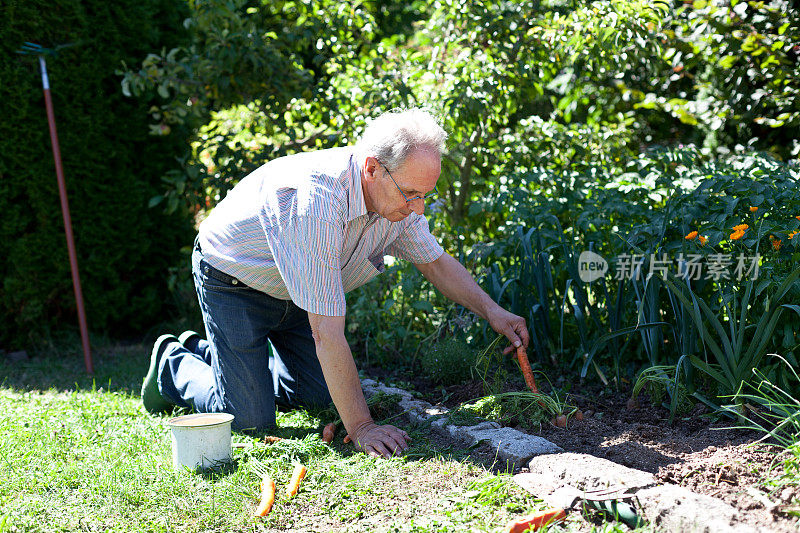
431,194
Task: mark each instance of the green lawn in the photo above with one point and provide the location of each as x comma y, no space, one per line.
82,455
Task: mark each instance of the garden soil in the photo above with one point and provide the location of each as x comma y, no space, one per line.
697,452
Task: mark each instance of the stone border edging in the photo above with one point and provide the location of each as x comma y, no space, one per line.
666,506
510,444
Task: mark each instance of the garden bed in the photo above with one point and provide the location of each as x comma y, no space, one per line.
698,452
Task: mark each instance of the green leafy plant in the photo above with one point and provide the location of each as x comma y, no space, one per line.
770,408
661,381
526,409
737,345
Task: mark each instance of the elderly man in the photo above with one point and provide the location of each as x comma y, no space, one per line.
272,264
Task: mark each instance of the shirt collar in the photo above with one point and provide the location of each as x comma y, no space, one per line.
357,206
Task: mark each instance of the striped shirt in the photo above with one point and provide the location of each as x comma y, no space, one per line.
298,229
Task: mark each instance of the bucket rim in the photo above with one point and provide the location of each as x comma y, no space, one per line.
184,421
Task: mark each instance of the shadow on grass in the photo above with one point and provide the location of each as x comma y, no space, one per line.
117,367
120,368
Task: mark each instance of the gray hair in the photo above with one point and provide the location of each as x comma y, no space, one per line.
394,135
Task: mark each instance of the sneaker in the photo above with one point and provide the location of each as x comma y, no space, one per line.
190,340
151,396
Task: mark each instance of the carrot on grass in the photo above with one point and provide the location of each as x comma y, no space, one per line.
294,485
536,520
267,496
328,432
525,365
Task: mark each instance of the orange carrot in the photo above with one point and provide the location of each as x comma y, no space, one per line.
294,485
328,432
536,520
267,496
347,439
525,365
561,421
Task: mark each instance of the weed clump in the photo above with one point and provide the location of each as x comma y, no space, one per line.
449,362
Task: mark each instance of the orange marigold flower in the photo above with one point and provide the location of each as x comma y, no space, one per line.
741,227
797,217
691,235
792,234
736,235
753,209
776,244
703,240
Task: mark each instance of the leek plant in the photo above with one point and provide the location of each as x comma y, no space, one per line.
737,345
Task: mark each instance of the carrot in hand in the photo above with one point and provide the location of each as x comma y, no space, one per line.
267,496
536,520
525,365
328,432
294,485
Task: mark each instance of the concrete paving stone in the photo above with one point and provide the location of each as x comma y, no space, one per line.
512,445
417,410
379,387
587,472
675,508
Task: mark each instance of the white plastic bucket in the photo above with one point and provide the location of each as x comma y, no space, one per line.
201,441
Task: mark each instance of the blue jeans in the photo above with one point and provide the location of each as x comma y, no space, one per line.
234,372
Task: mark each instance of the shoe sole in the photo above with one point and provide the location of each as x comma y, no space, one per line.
151,396
184,337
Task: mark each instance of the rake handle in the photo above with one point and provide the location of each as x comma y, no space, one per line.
62,192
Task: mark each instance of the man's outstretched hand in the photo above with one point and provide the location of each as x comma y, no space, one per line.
380,441
510,325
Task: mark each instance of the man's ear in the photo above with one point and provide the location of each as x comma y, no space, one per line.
370,167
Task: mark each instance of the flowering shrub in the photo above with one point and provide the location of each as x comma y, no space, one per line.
672,204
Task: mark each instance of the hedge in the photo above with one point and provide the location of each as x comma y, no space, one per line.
111,163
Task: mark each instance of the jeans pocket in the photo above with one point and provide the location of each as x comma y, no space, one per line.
213,278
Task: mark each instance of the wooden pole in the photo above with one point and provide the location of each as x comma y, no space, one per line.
62,191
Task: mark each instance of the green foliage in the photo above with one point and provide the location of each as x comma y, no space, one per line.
563,121
449,362
397,316
773,410
264,79
725,331
663,382
111,168
732,74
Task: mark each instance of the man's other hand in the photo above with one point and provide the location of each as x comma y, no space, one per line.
381,441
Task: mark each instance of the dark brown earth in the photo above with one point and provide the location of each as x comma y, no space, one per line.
700,452
696,452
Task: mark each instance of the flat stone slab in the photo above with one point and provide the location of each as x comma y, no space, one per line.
511,445
666,506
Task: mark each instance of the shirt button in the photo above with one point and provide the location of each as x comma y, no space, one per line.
235,282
